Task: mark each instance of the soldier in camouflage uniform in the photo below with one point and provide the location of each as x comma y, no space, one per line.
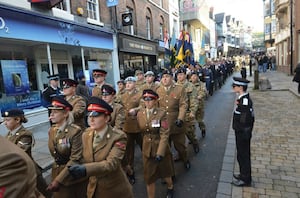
201,94
78,102
192,108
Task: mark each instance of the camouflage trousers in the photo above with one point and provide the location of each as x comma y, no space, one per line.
190,131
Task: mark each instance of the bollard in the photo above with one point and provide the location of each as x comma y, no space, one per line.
256,78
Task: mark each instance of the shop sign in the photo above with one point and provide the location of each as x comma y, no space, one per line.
138,46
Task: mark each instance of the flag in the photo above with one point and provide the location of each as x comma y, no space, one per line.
173,40
202,57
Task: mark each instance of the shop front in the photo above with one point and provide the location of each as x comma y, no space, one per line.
136,54
34,46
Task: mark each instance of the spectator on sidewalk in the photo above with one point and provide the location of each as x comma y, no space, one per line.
243,120
23,138
297,76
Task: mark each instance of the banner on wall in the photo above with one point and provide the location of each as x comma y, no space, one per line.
15,77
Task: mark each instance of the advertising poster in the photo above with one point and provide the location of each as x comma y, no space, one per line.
15,77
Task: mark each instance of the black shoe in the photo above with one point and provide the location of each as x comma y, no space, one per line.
237,176
203,133
196,148
241,183
170,193
187,165
131,179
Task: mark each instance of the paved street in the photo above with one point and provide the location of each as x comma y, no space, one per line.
275,144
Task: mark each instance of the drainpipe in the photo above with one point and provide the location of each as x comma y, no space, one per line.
291,36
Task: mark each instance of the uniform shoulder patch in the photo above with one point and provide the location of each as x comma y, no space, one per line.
120,145
245,101
164,124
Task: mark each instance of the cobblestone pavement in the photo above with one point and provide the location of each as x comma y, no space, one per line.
275,145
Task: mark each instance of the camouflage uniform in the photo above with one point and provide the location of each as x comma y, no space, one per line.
201,93
192,108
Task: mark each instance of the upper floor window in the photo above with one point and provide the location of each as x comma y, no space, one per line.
148,27
161,31
93,9
64,5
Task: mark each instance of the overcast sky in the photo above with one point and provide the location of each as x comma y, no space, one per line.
249,11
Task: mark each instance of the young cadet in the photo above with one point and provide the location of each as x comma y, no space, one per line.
243,121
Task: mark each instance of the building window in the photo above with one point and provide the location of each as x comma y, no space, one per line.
64,5
161,3
161,32
148,27
93,9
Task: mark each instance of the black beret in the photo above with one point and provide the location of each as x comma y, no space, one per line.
99,72
59,103
97,106
240,81
53,77
166,71
107,90
149,94
13,113
194,72
181,70
69,83
121,81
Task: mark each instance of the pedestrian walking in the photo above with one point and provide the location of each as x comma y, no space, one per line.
17,172
296,77
23,138
243,120
65,146
157,158
103,150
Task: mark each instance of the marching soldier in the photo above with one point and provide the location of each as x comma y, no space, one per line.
131,101
157,157
118,115
192,107
201,94
103,150
150,83
121,90
24,139
65,146
17,172
99,78
78,102
173,99
140,79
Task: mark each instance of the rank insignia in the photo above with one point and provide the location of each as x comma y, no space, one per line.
120,145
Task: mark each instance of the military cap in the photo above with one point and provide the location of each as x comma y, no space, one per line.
107,90
59,103
13,113
194,72
238,81
130,78
149,94
97,106
121,81
149,73
53,77
100,72
69,83
166,71
181,70
137,72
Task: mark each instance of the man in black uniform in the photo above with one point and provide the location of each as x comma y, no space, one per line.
243,120
51,91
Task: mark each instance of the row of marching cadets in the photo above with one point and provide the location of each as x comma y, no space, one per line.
98,161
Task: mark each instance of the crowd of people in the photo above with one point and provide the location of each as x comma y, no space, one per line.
92,137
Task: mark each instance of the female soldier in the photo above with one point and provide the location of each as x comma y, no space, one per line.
24,139
157,157
66,148
103,149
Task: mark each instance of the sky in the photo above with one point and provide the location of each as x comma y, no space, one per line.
248,11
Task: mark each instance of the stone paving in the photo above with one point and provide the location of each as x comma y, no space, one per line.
275,145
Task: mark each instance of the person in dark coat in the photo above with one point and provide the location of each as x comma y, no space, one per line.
297,76
243,121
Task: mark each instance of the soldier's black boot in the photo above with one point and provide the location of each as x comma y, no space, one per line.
196,147
203,133
170,193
